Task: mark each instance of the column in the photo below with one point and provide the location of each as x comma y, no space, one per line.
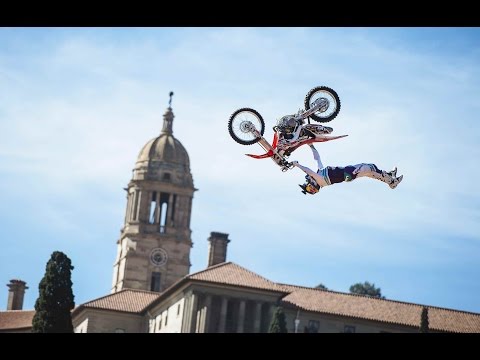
223,315
157,208
192,318
168,220
136,205
270,314
139,208
127,211
241,316
198,324
258,317
206,310
133,196
186,314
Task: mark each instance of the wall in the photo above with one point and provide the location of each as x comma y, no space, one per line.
169,319
106,321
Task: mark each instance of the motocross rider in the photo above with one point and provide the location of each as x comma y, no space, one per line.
332,175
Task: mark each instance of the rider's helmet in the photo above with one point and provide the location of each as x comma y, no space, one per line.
310,186
287,124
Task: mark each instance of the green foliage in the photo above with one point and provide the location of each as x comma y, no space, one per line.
55,300
366,289
321,287
424,320
278,324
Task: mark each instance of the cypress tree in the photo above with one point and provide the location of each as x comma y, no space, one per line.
55,300
278,324
424,320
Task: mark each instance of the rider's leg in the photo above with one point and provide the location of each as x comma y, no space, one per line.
316,156
372,171
308,133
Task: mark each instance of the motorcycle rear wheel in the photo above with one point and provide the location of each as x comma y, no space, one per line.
332,97
238,126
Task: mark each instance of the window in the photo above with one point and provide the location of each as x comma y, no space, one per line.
349,329
166,318
313,326
178,309
167,177
155,283
159,322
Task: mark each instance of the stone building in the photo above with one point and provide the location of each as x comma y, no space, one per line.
153,251
153,290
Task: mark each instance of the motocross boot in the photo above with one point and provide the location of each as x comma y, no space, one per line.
393,172
395,182
385,177
326,129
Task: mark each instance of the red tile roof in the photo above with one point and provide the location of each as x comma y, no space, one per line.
229,273
127,300
382,310
16,319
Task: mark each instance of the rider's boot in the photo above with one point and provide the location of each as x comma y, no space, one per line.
392,181
327,129
395,182
385,177
393,172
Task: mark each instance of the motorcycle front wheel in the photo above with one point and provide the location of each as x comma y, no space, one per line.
239,126
329,113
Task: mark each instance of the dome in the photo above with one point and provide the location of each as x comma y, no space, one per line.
164,148
164,158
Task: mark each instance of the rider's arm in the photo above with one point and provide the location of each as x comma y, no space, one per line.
316,156
307,170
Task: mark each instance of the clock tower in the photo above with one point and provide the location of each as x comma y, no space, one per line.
153,251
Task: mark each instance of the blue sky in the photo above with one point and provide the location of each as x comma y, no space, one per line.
78,104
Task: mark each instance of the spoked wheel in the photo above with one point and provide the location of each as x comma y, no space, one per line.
240,123
327,112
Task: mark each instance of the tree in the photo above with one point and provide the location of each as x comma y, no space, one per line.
366,289
278,324
321,287
424,320
55,300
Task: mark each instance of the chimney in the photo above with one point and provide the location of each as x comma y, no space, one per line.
217,251
15,294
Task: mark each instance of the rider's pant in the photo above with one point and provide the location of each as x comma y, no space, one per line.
349,173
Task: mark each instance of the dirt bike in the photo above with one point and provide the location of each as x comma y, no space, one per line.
322,104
